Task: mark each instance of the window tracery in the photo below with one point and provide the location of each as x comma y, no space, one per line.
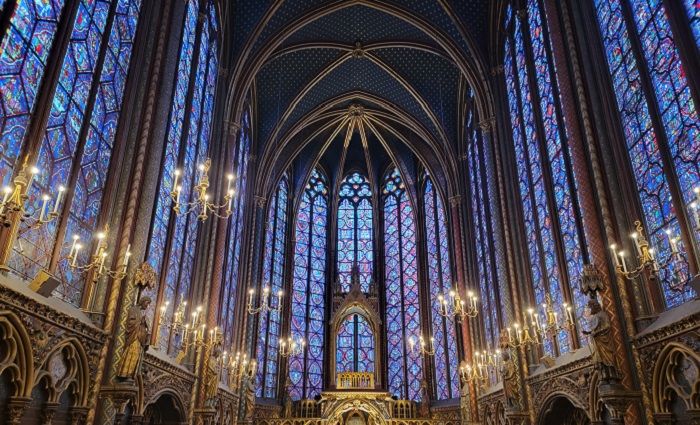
355,228
546,181
440,281
269,325
659,119
405,367
309,284
173,238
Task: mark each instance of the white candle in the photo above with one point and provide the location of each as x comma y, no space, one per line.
230,200
613,248
6,191
75,254
250,297
100,238
635,238
177,178
622,259
673,241
127,255
696,190
45,201
230,182
102,262
59,197
72,247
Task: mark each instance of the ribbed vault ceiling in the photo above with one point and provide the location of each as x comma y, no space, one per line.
406,64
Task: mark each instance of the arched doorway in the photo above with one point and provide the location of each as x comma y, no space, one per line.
355,419
165,410
561,411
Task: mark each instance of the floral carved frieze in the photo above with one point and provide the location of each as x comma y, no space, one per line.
160,376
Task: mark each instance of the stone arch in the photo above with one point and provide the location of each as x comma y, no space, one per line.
348,407
165,408
16,355
66,368
676,381
562,409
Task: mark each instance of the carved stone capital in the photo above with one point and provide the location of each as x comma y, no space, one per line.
260,201
617,399
233,128
488,124
15,409
204,416
120,395
497,70
78,415
48,412
455,201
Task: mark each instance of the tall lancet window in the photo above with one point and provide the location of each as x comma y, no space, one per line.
354,345
659,116
547,184
355,230
273,278
308,298
440,282
234,233
401,281
75,143
481,203
173,239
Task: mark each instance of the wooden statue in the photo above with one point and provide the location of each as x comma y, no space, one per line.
250,397
510,381
287,413
137,335
211,377
424,409
601,341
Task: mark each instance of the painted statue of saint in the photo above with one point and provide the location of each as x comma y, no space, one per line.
601,340
137,336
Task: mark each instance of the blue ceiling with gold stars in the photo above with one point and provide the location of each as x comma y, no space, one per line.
306,54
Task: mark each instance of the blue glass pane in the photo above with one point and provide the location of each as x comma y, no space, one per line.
355,230
440,281
163,209
306,369
640,135
23,54
273,274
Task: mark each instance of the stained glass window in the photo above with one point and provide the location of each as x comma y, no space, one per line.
355,230
172,251
692,8
665,119
440,281
354,345
551,215
23,55
234,232
405,367
82,120
306,369
272,278
484,251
